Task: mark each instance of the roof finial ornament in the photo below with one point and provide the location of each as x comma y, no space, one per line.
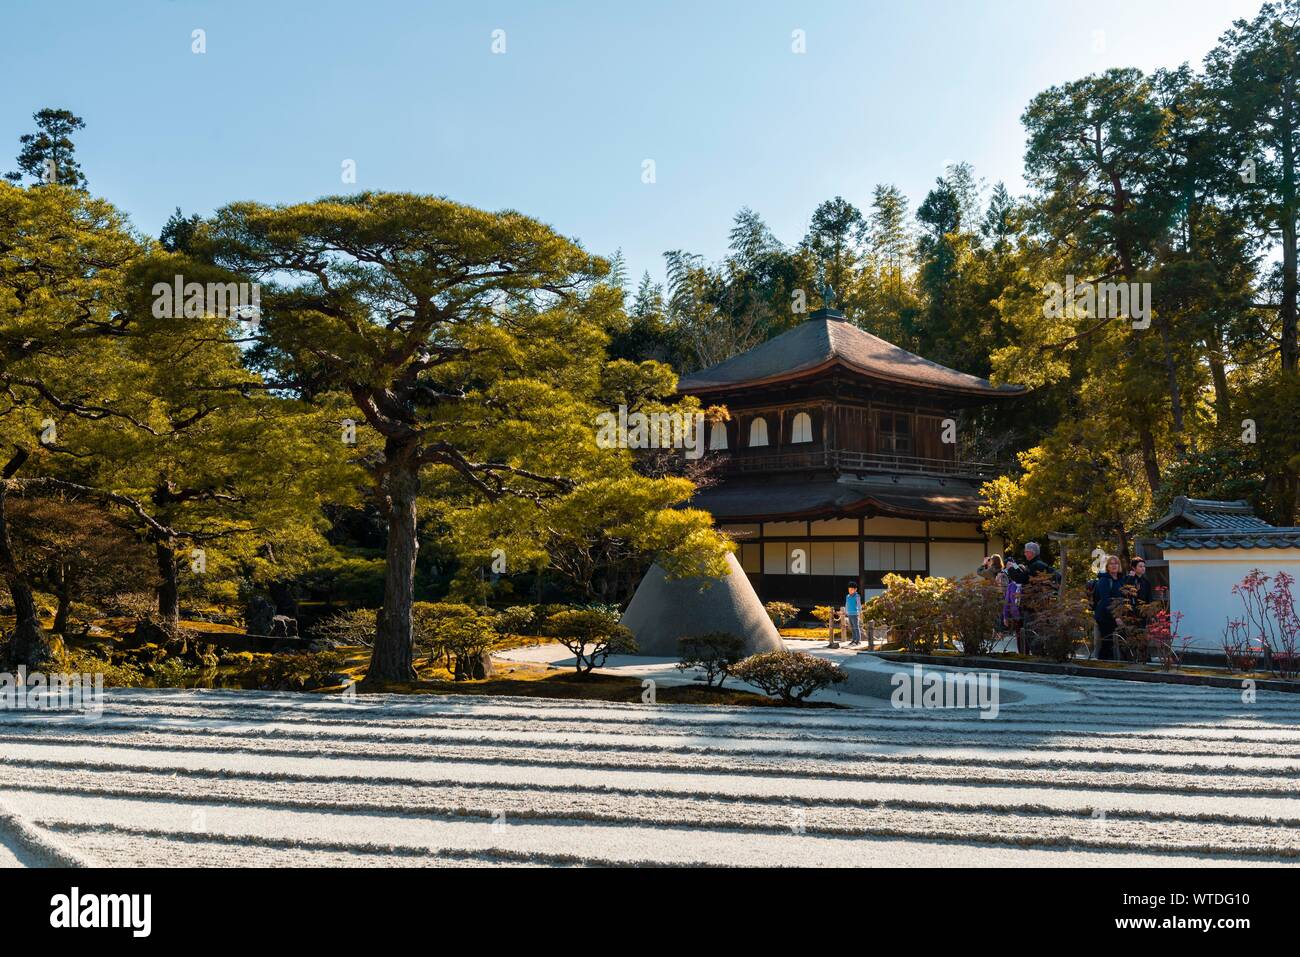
828,310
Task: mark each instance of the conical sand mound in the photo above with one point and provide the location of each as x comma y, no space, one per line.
662,611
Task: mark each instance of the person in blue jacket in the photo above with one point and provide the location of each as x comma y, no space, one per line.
853,611
1105,592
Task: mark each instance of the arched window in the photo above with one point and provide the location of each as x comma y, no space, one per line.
718,435
758,432
801,428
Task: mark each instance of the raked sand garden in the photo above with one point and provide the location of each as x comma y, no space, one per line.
1070,771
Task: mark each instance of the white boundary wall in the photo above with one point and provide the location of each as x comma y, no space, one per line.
1201,580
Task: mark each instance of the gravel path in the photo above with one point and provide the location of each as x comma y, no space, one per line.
1071,772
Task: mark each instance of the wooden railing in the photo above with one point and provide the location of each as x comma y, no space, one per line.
865,462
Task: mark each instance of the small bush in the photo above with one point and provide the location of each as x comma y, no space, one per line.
135,604
115,676
356,626
790,676
175,673
972,610
295,672
515,620
823,613
1057,625
781,612
579,628
716,654
460,633
913,608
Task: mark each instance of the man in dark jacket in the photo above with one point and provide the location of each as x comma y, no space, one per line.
1021,573
1031,566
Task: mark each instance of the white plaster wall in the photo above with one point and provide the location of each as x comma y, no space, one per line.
955,559
1200,586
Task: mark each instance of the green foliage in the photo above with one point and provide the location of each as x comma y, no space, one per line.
972,609
458,632
353,626
48,156
515,620
174,673
591,635
471,344
913,608
85,662
294,672
715,653
344,576
790,676
781,612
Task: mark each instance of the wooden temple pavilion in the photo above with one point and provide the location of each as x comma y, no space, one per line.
841,461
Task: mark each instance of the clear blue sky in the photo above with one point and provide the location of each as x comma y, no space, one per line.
559,125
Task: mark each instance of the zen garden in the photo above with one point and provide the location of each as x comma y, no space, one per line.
386,442
979,462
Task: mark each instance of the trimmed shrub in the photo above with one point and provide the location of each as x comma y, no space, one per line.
781,612
913,608
460,633
972,610
716,654
790,676
579,628
515,620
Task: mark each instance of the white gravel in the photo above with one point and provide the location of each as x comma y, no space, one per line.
1076,772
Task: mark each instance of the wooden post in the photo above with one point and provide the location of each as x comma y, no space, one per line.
1064,538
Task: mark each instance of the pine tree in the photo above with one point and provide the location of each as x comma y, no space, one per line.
49,155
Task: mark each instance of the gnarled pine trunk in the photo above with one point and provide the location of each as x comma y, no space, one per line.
29,644
169,588
393,656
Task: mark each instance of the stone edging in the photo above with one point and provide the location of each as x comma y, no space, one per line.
1079,671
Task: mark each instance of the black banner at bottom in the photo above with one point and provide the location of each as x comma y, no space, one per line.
136,907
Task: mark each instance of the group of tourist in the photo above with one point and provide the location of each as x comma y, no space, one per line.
1012,576
1112,587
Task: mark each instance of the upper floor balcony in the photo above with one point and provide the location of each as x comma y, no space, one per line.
756,461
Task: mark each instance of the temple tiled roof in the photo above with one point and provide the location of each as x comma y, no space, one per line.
1211,538
1198,523
825,341
1201,513
911,498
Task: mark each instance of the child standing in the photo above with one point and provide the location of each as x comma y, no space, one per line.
853,611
